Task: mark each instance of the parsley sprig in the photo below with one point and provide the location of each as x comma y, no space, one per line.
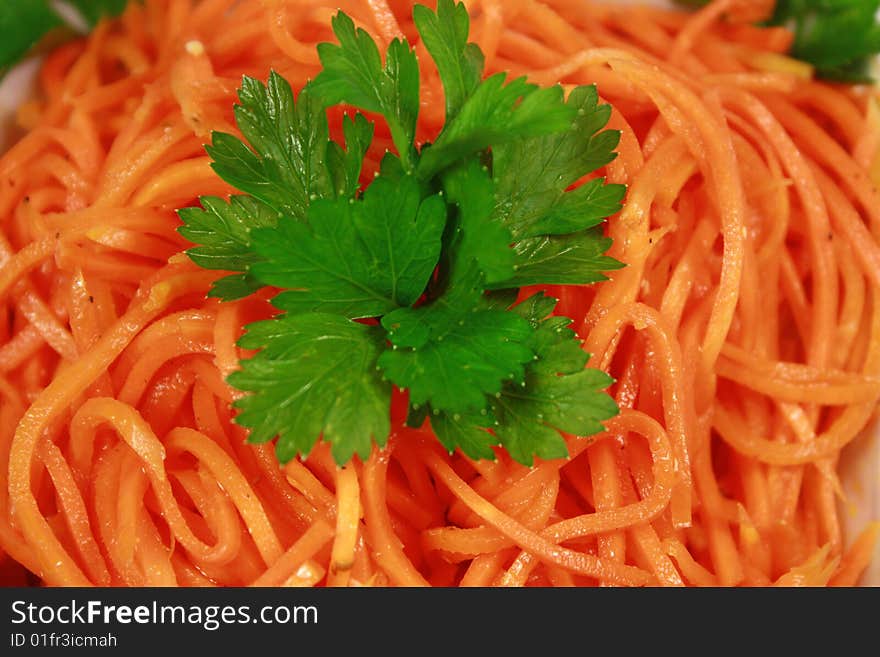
24,23
837,37
412,281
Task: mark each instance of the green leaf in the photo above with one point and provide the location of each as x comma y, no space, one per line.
557,393
576,259
557,347
416,416
355,258
577,210
234,286
494,114
23,23
466,432
292,164
837,36
459,63
222,231
535,308
435,249
95,10
532,175
528,417
453,355
476,235
286,167
345,165
353,74
315,375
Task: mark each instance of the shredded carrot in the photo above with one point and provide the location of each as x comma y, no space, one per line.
743,334
348,515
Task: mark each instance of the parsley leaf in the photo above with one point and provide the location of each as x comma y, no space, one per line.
430,255
453,355
495,113
557,392
23,23
315,375
574,259
558,242
454,351
474,235
345,165
223,231
353,74
532,175
286,167
528,418
95,10
460,64
836,36
469,433
355,258
290,163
